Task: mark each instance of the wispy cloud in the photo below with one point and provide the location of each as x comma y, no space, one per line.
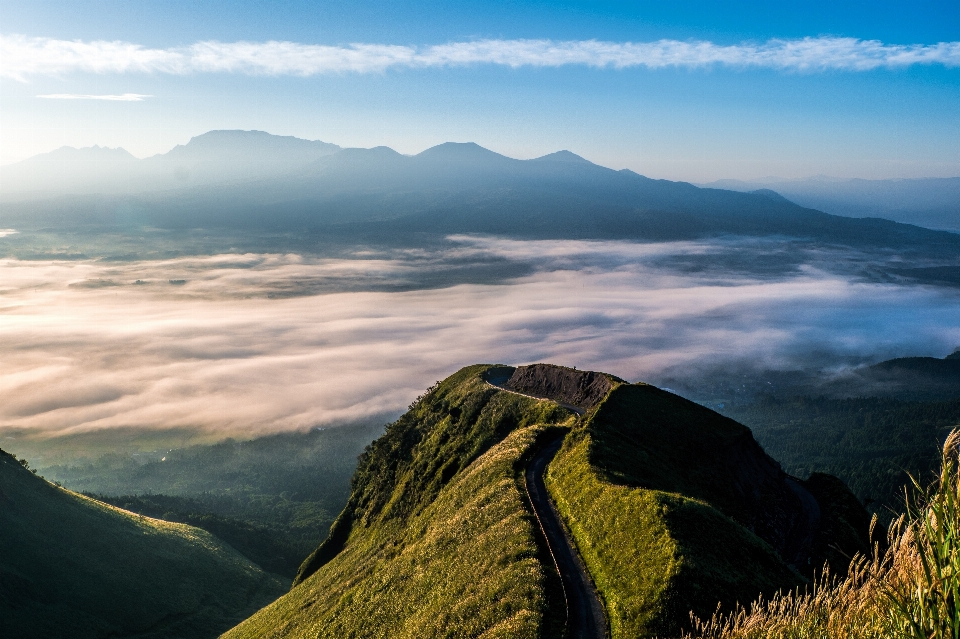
24,57
124,97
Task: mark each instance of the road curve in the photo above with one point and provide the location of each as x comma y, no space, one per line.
585,618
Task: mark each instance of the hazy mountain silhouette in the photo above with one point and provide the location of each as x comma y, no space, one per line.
226,156
211,158
69,170
930,202
253,180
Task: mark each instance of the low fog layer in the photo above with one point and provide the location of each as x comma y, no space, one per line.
251,343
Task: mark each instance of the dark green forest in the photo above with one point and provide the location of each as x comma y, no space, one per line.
873,444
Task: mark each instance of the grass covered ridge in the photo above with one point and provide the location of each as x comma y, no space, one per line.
668,502
437,540
676,508
272,498
75,567
655,556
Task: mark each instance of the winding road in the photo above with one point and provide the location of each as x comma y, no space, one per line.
585,616
585,611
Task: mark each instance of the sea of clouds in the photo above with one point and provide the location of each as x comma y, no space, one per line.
243,344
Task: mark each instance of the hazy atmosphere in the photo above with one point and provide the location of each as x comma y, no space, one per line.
330,283
503,319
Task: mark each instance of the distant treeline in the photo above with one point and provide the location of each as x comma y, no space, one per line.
870,443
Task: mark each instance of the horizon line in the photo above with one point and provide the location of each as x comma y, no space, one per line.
768,179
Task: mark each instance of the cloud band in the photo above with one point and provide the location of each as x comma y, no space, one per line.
23,57
125,97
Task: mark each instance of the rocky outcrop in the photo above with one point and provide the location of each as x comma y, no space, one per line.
583,389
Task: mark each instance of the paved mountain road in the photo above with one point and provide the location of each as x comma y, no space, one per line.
585,616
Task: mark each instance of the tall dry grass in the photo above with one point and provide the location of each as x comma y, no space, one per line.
910,590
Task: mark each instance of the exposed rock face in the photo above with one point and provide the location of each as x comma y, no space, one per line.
583,389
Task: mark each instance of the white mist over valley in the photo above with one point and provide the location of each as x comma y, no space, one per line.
241,344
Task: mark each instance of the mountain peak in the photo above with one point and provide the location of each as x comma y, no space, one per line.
562,156
219,136
459,150
654,458
223,139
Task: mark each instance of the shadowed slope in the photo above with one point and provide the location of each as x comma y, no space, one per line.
74,567
676,508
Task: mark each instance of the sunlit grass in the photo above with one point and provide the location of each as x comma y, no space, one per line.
653,516
442,543
467,565
653,555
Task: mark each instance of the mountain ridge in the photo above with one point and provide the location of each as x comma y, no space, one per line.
930,202
437,523
378,195
204,159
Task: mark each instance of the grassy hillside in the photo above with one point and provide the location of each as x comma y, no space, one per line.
672,506
655,556
436,540
909,589
273,498
270,547
75,567
654,512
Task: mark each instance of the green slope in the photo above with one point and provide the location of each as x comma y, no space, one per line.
672,506
74,567
436,540
675,508
272,498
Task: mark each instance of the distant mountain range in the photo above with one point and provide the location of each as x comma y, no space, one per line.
212,158
253,180
930,202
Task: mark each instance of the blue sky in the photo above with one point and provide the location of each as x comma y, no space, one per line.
701,119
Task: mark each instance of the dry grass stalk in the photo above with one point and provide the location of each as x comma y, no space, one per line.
911,590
